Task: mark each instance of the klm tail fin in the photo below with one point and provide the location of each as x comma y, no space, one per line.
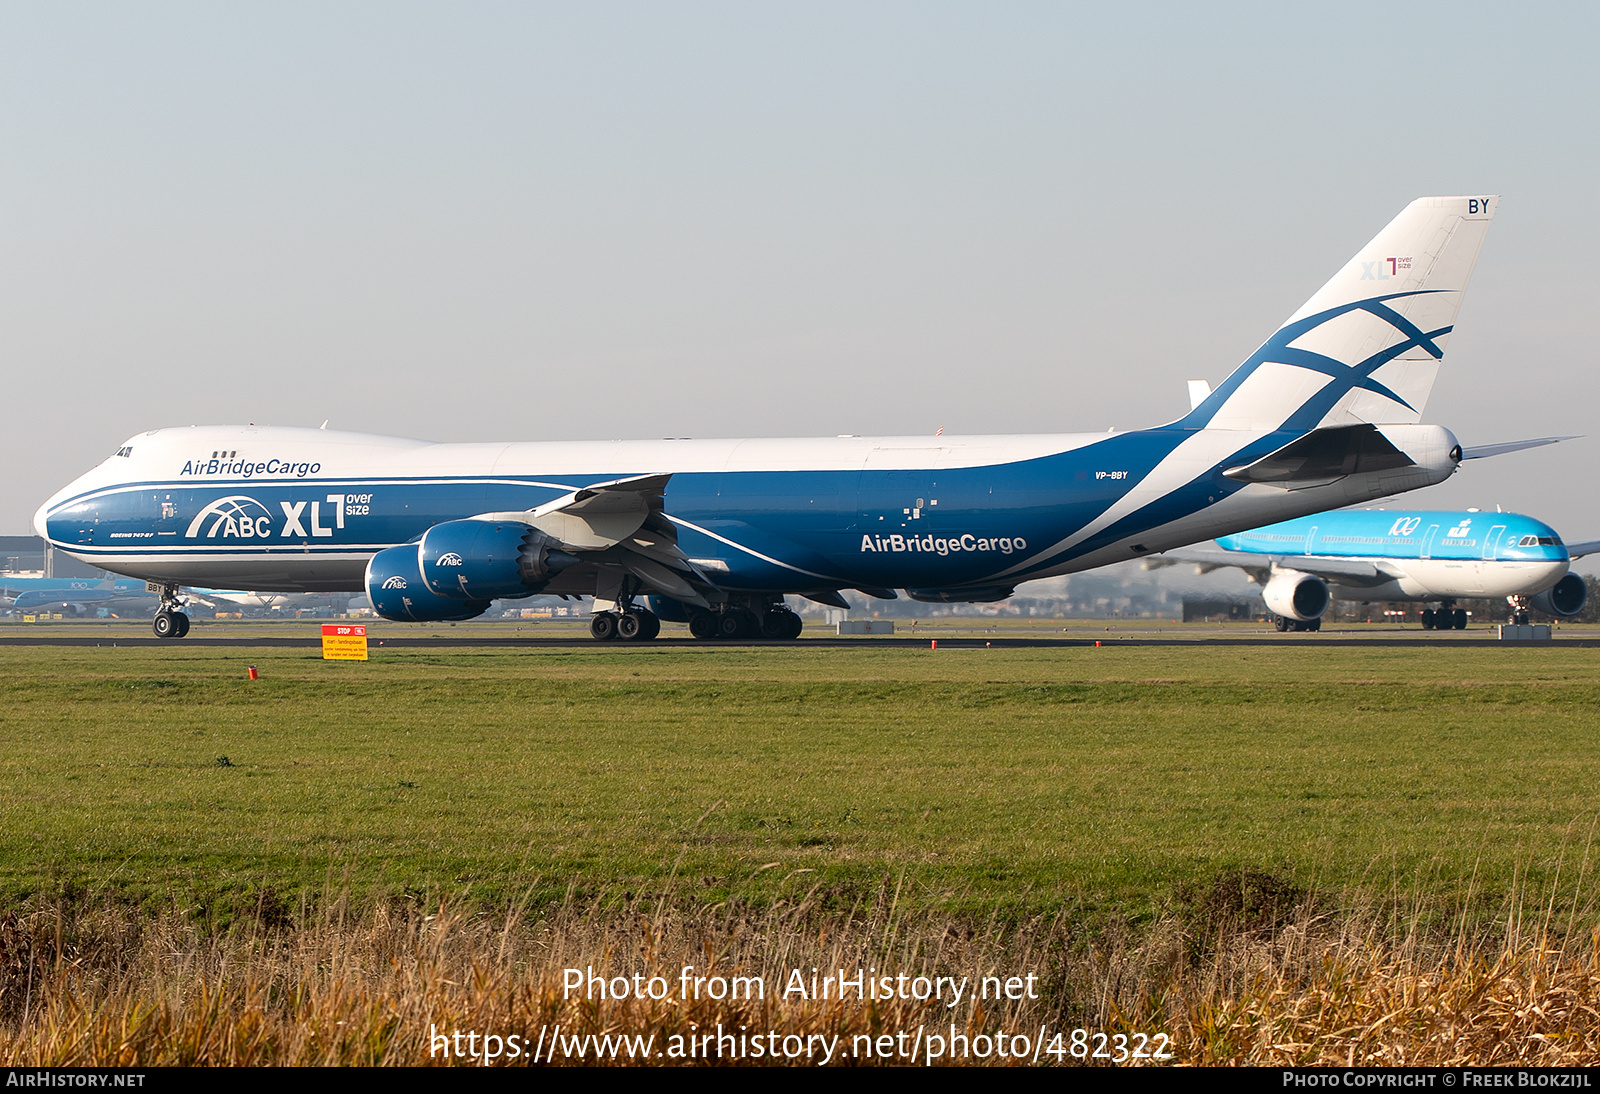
1367,346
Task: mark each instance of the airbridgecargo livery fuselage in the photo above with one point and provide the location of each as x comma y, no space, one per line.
1372,555
715,532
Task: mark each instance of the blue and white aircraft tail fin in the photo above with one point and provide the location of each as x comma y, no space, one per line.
1367,345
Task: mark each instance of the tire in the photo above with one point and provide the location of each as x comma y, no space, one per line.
774,626
1314,625
1427,619
182,619
603,627
1280,623
732,624
703,625
650,626
793,626
165,624
1461,619
628,626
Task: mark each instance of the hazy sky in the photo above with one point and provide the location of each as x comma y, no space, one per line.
481,221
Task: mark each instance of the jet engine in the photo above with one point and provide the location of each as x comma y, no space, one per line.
1565,597
396,589
1297,596
488,559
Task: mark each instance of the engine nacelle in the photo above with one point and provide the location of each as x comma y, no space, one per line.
1565,597
488,559
1297,596
396,589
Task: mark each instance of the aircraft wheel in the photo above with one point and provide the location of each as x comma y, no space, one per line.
165,624
774,626
1314,625
736,624
1427,619
703,625
1280,623
1461,619
603,627
649,626
793,625
628,626
182,619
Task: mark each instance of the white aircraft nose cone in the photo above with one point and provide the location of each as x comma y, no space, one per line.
39,521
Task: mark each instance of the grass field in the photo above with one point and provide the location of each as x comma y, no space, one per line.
1314,854
1018,780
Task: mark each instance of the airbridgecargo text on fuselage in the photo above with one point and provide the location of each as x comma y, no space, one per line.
246,469
943,545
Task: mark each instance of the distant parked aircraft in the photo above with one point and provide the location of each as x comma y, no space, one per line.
73,595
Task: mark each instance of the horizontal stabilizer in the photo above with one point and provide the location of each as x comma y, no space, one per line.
1478,452
1322,456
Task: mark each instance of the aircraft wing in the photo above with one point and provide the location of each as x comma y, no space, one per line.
1587,547
619,529
1344,571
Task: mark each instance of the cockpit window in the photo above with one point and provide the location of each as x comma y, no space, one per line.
1539,541
125,450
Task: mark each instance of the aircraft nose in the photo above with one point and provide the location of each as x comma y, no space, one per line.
39,521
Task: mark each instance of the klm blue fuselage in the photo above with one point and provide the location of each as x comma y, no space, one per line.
1470,535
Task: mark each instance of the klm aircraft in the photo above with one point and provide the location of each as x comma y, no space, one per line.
1326,413
74,595
1384,555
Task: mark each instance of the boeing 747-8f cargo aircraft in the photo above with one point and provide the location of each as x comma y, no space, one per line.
715,532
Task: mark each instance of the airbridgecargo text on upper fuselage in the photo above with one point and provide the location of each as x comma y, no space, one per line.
249,468
943,545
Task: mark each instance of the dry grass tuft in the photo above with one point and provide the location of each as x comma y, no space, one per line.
1242,981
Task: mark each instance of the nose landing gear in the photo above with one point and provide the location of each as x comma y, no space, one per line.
170,621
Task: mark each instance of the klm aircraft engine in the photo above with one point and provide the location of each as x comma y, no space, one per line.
458,567
1296,597
1565,597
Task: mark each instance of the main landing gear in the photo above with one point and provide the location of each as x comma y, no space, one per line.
170,621
630,625
744,617
768,622
1446,618
1283,623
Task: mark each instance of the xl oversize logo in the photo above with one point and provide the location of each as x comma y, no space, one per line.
239,516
